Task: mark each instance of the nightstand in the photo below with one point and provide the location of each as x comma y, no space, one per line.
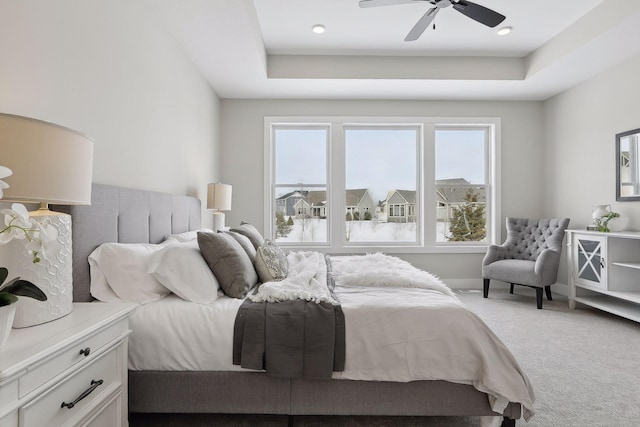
68,372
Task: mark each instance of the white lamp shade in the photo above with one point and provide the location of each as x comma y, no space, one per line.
50,163
219,197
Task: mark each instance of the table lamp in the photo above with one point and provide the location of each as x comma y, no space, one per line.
218,198
50,164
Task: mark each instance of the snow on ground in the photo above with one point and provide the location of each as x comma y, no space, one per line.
315,230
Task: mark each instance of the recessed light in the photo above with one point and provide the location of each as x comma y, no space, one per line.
504,31
318,29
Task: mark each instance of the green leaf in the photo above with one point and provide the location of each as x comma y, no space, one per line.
6,298
3,274
25,288
9,283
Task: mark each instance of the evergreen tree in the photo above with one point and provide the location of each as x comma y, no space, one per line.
468,221
282,227
349,217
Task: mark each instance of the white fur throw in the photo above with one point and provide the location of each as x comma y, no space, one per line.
306,280
380,270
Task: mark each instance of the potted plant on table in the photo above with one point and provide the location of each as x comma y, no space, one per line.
41,240
602,223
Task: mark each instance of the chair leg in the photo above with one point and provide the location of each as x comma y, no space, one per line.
547,290
539,297
511,288
486,288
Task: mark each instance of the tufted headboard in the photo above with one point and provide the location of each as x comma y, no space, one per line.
126,216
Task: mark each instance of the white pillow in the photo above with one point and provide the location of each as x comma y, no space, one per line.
119,273
187,236
182,270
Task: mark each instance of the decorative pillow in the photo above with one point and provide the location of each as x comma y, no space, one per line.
251,232
228,262
271,263
182,269
119,273
244,242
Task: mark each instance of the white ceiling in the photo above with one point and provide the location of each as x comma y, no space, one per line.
266,49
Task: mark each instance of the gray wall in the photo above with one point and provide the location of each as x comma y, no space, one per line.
242,151
579,130
107,69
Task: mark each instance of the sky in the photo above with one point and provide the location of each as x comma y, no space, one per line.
380,160
377,159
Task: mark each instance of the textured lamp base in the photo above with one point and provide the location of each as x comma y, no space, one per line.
52,276
218,221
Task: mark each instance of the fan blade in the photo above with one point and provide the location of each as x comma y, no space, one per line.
479,13
422,25
376,3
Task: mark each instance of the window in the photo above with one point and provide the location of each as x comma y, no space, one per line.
300,184
361,183
381,172
461,184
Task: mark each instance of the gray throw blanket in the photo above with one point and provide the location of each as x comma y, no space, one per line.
292,339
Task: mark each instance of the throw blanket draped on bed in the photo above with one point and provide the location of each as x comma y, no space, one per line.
293,328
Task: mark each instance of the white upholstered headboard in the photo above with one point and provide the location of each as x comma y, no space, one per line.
127,216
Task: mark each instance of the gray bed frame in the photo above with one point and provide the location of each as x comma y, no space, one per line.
136,216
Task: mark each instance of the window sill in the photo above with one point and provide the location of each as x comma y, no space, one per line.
440,249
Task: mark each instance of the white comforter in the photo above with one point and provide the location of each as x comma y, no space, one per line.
419,331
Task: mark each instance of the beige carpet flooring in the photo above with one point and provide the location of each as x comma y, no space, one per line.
584,365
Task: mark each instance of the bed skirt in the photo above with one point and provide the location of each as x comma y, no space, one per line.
257,393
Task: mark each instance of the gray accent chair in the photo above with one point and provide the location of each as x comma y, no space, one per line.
530,256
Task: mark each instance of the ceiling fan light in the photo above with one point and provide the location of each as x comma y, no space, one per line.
318,29
504,31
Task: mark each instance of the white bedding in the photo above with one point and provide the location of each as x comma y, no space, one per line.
392,334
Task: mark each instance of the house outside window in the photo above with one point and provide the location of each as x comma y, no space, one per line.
298,184
462,184
405,185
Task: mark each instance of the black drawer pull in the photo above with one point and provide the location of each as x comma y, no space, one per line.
85,351
87,392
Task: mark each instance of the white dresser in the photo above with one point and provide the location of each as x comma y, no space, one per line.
604,271
68,372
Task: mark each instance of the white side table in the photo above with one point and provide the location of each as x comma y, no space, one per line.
68,372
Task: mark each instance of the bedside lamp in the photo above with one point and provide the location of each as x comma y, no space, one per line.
50,164
219,198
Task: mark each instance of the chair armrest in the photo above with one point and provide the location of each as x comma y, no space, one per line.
494,253
547,265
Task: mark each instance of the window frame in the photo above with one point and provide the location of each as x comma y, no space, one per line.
425,190
492,226
270,214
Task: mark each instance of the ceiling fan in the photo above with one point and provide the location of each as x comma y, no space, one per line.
474,11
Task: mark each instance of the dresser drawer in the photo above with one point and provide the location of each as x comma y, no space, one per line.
107,416
47,409
67,358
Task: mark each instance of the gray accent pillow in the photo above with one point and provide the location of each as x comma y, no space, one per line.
251,232
271,262
244,242
228,262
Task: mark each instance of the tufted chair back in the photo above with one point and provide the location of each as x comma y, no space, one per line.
526,238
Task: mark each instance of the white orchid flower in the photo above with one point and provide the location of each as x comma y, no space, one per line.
4,172
5,237
3,186
45,241
17,221
41,239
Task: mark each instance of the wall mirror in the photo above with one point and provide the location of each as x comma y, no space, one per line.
628,166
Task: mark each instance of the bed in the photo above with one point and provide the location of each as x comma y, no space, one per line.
135,216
